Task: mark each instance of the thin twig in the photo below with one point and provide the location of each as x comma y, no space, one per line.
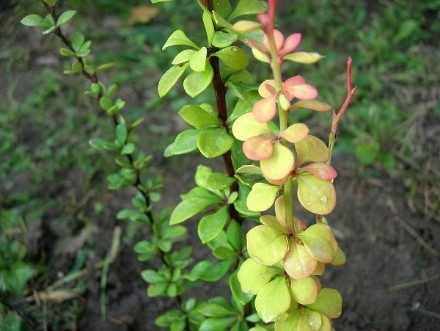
111,256
93,77
417,309
404,286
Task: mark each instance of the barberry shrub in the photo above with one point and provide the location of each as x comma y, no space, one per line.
273,166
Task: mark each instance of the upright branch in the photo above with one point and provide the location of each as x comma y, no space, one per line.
338,115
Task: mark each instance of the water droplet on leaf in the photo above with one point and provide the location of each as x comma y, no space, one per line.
324,199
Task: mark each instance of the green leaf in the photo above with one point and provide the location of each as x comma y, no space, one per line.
157,289
290,323
212,309
216,323
273,299
316,195
224,39
219,181
247,7
173,232
234,57
209,26
328,303
221,248
209,271
51,2
223,7
198,117
214,142
17,276
101,144
220,21
185,142
77,39
244,106
128,149
121,133
66,17
49,23
183,56
253,276
177,38
33,20
340,258
319,242
152,276
239,298
211,225
146,250
67,52
305,290
235,235
170,78
261,197
192,206
196,82
213,181
266,245
311,149
197,61
134,215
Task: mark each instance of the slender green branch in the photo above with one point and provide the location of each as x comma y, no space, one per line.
93,77
116,119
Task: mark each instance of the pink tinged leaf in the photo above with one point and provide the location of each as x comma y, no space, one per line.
301,91
294,81
265,109
291,43
312,105
267,88
279,164
278,37
258,148
246,126
298,263
295,133
321,170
